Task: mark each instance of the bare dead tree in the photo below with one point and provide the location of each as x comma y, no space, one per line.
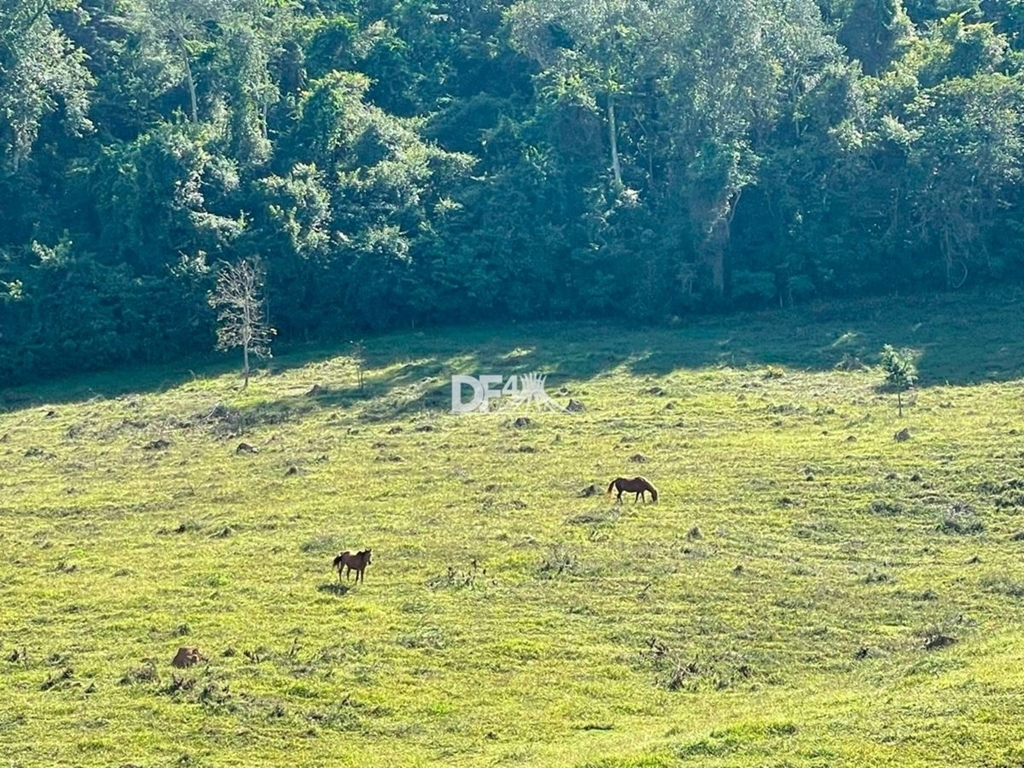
358,352
241,317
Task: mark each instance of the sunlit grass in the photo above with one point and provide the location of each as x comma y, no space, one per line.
797,597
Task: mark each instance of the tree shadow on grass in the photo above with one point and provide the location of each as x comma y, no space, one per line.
961,339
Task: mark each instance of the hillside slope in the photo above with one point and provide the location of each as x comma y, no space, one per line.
807,590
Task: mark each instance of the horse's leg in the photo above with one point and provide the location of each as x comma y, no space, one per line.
619,499
636,498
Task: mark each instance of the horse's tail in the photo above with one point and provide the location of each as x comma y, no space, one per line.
610,486
339,559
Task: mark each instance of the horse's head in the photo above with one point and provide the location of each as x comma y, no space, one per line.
654,493
366,556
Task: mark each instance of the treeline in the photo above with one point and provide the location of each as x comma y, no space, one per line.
401,162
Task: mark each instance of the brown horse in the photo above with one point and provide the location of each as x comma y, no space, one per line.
637,485
350,562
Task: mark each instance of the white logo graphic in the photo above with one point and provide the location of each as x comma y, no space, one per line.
525,391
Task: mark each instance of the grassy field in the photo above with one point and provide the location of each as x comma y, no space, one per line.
807,592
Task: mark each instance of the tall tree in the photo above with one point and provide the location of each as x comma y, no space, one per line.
41,70
874,32
241,315
710,80
592,54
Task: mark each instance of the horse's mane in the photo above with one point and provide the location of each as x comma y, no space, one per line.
341,555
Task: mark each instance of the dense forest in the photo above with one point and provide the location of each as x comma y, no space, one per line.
405,162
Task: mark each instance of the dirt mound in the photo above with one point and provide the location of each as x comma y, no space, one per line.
186,657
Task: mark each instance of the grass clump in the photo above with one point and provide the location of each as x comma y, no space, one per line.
960,517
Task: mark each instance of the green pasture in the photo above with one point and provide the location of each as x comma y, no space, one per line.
808,591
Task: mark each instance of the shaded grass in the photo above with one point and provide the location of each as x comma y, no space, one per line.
961,339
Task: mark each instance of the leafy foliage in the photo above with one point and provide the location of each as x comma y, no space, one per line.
402,162
900,373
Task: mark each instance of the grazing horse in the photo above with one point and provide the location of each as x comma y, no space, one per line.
350,562
637,485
